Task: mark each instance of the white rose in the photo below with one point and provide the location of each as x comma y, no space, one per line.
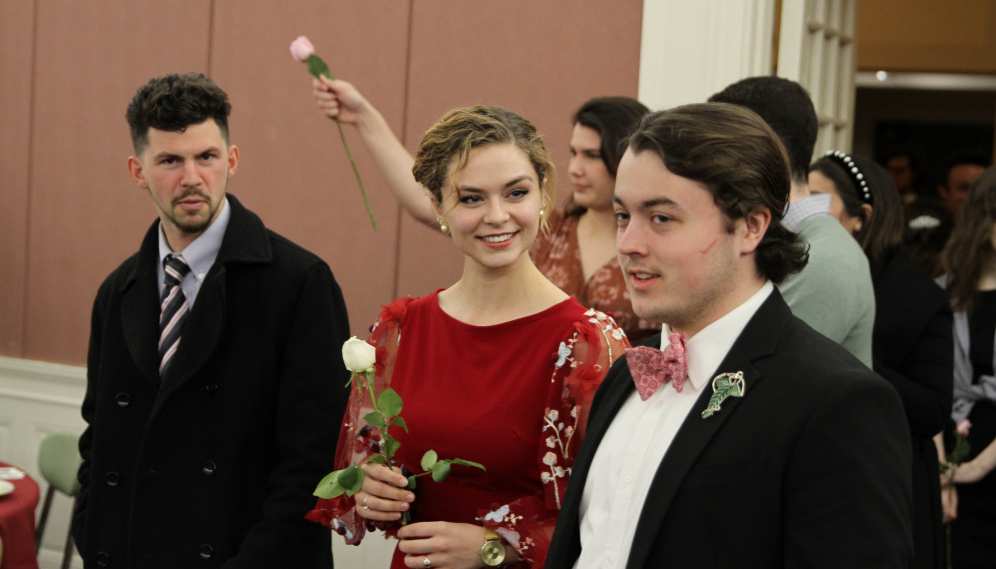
358,355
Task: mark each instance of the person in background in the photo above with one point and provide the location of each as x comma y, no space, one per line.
930,218
962,170
833,293
500,368
905,165
911,343
578,254
970,264
215,384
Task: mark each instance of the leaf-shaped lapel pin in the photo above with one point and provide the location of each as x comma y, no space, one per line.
724,385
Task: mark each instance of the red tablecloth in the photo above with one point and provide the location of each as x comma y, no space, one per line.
17,524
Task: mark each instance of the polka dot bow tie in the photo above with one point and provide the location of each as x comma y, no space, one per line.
652,368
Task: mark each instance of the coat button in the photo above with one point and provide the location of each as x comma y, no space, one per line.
123,399
103,559
207,552
211,388
209,468
112,478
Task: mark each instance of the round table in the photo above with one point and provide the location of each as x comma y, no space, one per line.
17,524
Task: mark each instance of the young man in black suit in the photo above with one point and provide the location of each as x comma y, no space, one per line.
748,440
215,382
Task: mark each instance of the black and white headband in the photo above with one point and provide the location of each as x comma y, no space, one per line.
864,192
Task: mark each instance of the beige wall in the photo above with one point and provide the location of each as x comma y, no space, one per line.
954,36
71,214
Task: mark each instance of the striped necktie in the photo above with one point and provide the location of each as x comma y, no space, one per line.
174,310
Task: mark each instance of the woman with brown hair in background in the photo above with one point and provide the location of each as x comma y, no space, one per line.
911,340
578,254
500,368
970,262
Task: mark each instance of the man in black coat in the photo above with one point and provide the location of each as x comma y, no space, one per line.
748,440
215,383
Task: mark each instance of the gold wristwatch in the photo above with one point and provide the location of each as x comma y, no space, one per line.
492,552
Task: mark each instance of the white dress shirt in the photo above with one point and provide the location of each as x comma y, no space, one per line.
638,438
199,255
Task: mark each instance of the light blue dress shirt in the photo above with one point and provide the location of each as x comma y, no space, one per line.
200,255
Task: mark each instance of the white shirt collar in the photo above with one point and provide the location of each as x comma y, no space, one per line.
202,252
707,349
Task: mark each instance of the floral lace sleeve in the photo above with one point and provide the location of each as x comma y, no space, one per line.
359,440
583,359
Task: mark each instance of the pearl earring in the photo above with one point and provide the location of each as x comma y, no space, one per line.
444,227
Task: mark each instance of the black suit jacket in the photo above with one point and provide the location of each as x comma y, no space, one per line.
914,351
809,469
215,468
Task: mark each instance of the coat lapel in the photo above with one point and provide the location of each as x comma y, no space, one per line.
757,340
140,308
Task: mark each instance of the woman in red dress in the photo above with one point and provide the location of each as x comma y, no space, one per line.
499,369
578,254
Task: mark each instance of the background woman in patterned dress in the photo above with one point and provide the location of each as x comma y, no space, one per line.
578,254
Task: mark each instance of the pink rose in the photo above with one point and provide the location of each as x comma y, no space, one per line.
301,48
963,426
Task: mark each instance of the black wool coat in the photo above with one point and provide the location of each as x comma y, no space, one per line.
810,468
913,349
215,467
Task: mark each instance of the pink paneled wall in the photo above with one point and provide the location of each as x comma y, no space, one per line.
70,213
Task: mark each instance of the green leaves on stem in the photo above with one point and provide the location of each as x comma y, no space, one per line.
386,414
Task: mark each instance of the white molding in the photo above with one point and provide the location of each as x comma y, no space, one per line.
45,371
791,31
691,50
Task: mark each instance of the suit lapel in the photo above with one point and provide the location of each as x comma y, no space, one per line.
757,340
140,308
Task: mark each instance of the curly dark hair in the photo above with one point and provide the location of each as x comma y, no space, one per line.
740,159
787,109
172,103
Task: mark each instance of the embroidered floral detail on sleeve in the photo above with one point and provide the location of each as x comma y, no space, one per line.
550,459
497,515
564,351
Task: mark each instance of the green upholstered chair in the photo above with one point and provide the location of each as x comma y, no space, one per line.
58,461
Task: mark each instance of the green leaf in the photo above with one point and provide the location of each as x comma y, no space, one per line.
463,462
375,419
391,446
318,67
429,459
328,488
389,403
400,422
348,476
440,470
411,482
378,458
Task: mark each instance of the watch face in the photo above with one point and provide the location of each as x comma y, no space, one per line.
493,553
